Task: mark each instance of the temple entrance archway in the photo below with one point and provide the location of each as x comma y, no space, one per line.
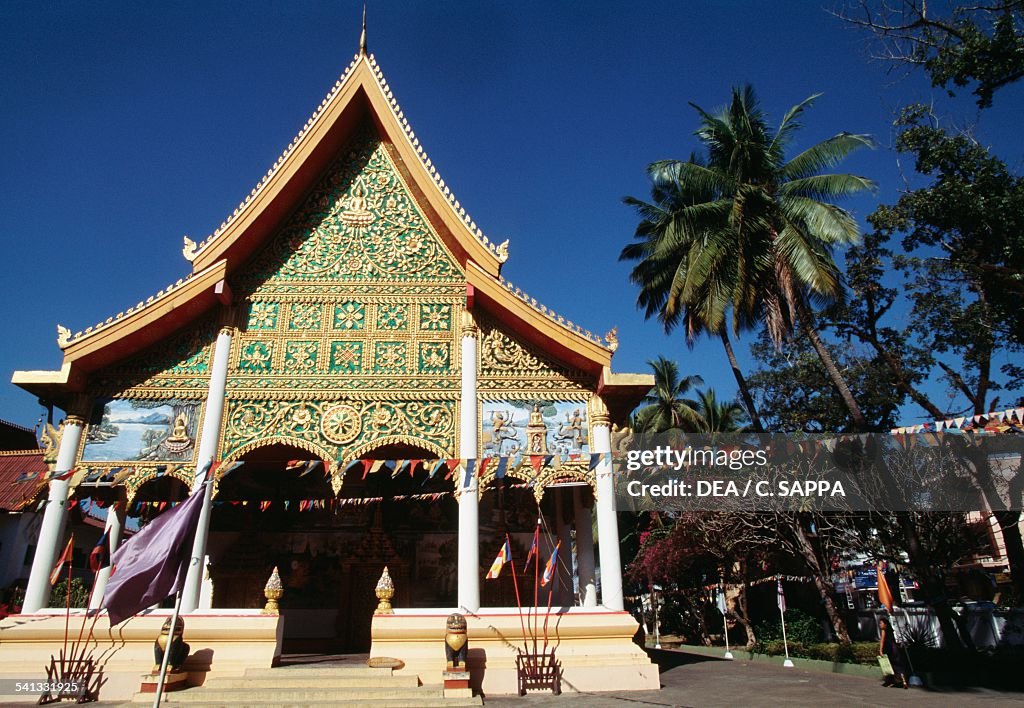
331,549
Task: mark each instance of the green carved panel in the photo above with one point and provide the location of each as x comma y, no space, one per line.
177,367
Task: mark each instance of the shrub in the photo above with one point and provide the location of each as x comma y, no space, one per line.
79,593
857,653
800,627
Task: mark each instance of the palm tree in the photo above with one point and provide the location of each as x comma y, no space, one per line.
757,230
719,416
664,246
667,407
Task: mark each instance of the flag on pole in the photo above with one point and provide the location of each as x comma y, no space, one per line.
884,593
99,558
65,557
549,569
503,557
153,563
720,601
534,547
781,595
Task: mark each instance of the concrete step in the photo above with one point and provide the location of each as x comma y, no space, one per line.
319,670
326,680
370,703
299,695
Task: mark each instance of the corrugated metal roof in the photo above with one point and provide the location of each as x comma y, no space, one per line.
16,495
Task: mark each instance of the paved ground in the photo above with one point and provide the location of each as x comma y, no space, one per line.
691,680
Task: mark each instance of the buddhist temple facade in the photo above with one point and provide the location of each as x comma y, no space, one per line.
347,336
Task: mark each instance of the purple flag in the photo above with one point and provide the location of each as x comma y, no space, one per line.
153,563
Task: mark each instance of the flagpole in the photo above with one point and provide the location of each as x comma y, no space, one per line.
167,651
725,620
67,617
515,584
788,663
536,582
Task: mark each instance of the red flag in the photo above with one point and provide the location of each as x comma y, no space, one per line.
65,557
884,593
534,547
99,558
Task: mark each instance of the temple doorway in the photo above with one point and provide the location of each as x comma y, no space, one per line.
330,550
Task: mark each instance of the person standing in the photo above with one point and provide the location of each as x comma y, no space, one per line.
888,648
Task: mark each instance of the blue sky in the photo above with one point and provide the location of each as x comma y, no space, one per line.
125,125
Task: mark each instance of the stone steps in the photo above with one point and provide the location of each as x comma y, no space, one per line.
296,686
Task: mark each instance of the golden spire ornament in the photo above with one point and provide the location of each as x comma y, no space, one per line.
362,37
385,591
273,592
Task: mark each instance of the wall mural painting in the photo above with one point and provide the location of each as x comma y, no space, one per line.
534,427
132,430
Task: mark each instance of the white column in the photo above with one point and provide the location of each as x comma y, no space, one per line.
204,457
113,528
607,522
469,513
584,549
51,532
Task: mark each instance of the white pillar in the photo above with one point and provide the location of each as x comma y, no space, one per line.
51,532
584,549
607,522
113,528
204,457
469,513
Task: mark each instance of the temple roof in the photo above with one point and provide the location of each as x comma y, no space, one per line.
360,94
14,495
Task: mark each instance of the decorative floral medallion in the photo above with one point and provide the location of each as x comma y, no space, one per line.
341,424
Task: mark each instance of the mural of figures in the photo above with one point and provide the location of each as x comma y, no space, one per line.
138,431
540,427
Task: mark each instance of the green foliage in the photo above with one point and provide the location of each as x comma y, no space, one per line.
963,243
667,406
742,230
855,653
801,628
79,593
796,395
979,44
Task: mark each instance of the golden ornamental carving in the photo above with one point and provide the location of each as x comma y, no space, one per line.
63,336
621,438
569,471
355,213
190,249
50,439
360,223
341,424
598,411
74,419
499,352
469,325
506,364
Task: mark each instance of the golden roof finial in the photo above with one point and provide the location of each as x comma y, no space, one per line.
362,37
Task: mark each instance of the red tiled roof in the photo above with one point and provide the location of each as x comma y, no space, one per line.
14,496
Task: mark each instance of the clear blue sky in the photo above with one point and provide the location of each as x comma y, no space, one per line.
125,125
